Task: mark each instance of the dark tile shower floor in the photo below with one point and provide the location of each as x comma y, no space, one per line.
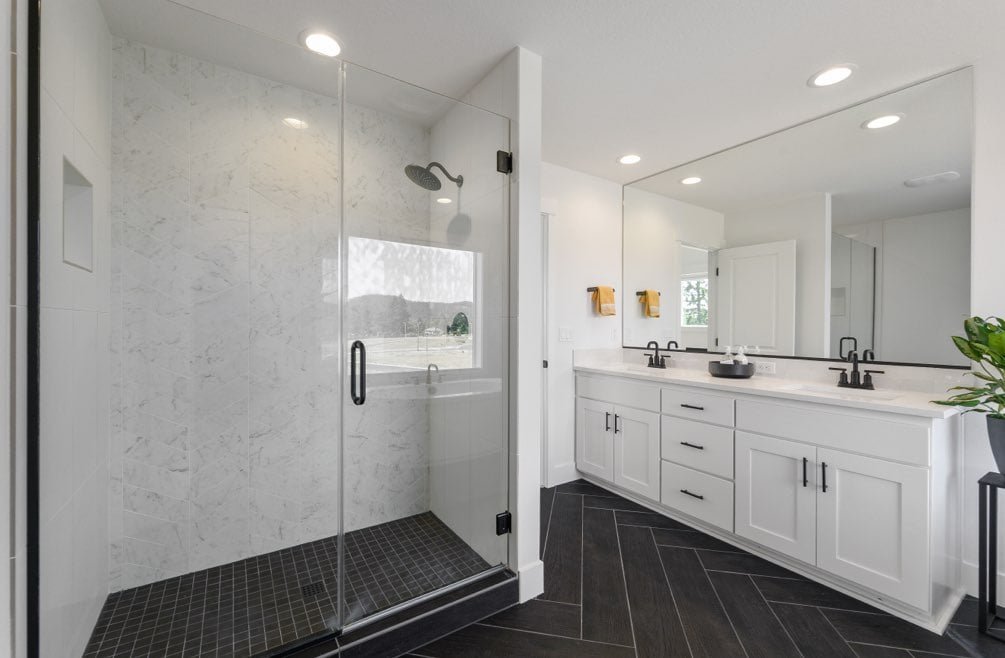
264,602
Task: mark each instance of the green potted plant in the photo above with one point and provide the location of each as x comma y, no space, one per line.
984,344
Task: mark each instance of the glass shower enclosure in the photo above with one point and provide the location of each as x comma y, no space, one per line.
273,340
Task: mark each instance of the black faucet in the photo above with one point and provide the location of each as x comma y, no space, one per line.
674,343
655,360
854,347
856,380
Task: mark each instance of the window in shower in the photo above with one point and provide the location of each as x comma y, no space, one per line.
413,304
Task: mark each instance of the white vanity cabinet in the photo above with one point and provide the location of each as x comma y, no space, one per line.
749,464
847,491
618,433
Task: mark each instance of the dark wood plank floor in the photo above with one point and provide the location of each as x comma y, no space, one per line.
623,581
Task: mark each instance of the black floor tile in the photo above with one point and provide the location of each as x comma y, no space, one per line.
481,641
709,631
812,633
547,499
656,624
691,539
563,557
650,520
975,643
613,502
889,631
966,614
541,616
759,630
873,651
270,600
743,563
605,603
807,592
584,487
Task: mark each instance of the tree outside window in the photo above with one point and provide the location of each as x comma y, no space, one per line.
694,302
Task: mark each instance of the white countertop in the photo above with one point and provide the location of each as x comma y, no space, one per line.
912,403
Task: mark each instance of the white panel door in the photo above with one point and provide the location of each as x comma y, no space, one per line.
757,296
775,504
637,451
872,524
595,438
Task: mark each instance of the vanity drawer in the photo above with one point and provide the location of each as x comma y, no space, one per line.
697,445
698,405
877,434
616,390
709,498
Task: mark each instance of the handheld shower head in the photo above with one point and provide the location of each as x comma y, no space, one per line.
426,179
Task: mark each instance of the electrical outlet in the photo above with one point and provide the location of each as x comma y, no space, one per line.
764,367
565,335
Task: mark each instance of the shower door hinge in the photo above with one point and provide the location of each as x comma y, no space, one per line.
504,162
504,522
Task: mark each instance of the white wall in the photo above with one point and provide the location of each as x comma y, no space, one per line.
584,249
923,257
808,222
654,225
74,385
987,274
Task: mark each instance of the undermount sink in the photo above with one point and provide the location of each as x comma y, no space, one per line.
847,393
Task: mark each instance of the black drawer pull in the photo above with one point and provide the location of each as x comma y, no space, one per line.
616,430
691,445
693,495
805,481
823,475
691,406
607,421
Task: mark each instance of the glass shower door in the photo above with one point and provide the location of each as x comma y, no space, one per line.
425,334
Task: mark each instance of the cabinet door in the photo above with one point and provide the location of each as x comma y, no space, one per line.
774,505
595,438
637,451
872,524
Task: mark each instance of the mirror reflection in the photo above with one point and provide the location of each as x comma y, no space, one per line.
849,232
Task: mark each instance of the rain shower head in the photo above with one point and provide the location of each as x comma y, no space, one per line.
426,179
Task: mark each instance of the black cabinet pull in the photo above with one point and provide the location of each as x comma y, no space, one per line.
805,480
607,421
358,396
823,475
691,406
693,495
691,445
616,430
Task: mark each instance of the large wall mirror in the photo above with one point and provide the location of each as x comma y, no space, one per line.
851,231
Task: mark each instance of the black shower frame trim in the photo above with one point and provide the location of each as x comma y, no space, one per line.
33,339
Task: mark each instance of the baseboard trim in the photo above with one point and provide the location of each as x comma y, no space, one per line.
531,580
562,473
970,579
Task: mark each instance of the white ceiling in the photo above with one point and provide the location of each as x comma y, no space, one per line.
671,81
863,170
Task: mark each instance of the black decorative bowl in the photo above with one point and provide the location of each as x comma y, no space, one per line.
731,370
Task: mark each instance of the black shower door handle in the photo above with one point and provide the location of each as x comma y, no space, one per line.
358,396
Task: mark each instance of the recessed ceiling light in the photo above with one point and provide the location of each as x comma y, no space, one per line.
631,158
320,42
691,180
294,122
444,200
831,76
884,121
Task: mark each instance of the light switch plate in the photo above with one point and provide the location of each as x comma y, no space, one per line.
565,335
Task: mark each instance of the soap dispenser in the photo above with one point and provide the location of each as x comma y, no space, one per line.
741,358
727,359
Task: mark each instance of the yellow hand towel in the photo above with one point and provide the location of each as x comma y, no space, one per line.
603,301
650,303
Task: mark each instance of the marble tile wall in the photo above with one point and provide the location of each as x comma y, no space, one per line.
224,310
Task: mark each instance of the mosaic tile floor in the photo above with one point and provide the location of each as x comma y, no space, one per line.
264,602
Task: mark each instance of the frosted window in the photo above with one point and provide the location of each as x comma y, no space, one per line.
412,304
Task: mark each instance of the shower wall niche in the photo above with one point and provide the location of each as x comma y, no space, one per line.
225,224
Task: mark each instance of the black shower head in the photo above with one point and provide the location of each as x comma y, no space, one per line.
426,179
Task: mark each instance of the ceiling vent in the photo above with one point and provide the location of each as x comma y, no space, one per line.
923,181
